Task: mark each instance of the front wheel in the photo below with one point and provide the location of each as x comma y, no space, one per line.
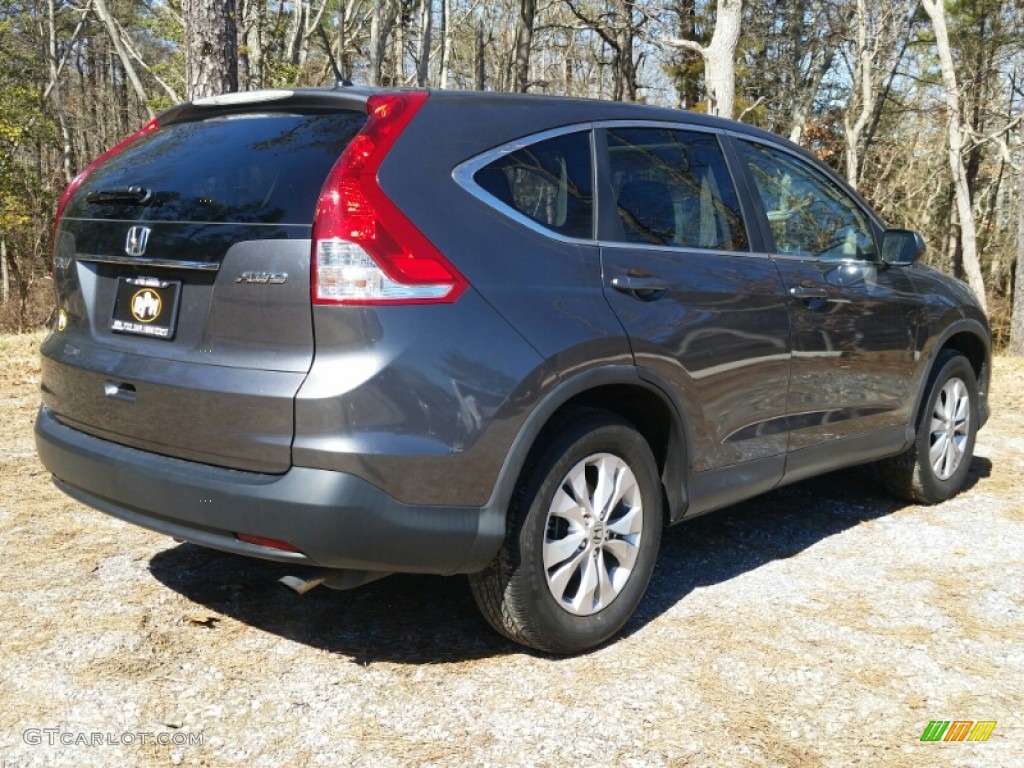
936,465
585,525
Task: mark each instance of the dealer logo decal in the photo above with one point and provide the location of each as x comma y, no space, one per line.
146,305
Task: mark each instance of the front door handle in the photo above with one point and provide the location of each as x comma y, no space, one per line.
647,287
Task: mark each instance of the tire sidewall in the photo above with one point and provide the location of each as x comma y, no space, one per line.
590,436
954,366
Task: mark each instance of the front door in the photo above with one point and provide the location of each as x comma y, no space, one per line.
855,320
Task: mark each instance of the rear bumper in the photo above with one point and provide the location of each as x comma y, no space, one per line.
336,520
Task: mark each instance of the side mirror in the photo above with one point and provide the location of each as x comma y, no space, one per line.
902,247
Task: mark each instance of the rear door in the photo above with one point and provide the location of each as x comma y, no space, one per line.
702,311
182,277
855,321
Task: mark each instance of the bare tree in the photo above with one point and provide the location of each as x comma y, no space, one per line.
382,23
122,53
816,36
1017,313
58,104
211,43
720,57
423,48
524,42
954,123
618,27
253,17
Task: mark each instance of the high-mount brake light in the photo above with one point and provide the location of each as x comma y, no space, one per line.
76,182
365,250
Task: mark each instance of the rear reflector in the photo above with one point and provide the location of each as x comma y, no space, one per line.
261,541
365,250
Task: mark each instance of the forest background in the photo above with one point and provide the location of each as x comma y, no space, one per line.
919,103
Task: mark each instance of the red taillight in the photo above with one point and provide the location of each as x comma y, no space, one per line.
365,250
262,541
76,182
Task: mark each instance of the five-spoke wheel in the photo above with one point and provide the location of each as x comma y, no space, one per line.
585,525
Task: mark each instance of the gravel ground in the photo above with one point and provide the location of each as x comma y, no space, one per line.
820,625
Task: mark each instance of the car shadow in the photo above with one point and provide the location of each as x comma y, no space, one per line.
432,619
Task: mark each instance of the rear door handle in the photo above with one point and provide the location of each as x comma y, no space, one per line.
647,287
808,292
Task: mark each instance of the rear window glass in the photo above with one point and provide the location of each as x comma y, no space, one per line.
549,182
251,168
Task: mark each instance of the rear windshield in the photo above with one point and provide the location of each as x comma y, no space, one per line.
252,168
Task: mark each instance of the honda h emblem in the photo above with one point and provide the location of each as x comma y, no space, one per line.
135,243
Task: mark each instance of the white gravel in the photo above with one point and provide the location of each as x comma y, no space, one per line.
820,625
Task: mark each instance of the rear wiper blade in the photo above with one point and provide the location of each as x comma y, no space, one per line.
132,194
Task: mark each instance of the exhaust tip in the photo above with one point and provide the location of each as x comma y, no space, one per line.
301,586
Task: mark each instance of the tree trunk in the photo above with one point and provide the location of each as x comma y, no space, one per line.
720,61
524,43
968,237
211,43
863,79
1017,314
720,58
481,61
423,52
5,273
378,41
448,38
62,118
626,69
300,9
398,78
255,23
122,53
687,83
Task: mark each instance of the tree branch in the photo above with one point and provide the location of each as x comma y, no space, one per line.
687,45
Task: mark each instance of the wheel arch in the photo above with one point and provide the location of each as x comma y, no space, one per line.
969,337
613,389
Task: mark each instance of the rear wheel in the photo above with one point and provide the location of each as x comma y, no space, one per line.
584,530
936,465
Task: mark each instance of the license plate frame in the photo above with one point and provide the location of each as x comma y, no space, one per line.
146,306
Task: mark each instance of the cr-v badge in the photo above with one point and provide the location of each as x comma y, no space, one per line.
262,278
135,243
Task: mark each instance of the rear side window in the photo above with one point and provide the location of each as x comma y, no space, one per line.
243,168
673,188
548,182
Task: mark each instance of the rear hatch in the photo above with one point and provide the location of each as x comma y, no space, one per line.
182,272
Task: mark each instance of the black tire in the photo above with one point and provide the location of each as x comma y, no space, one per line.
515,592
913,475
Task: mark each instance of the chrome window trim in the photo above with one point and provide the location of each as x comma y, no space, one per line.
142,261
464,172
667,124
679,249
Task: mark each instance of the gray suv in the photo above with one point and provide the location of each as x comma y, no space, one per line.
514,337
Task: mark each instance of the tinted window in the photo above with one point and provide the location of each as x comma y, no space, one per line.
673,188
809,215
549,182
260,168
